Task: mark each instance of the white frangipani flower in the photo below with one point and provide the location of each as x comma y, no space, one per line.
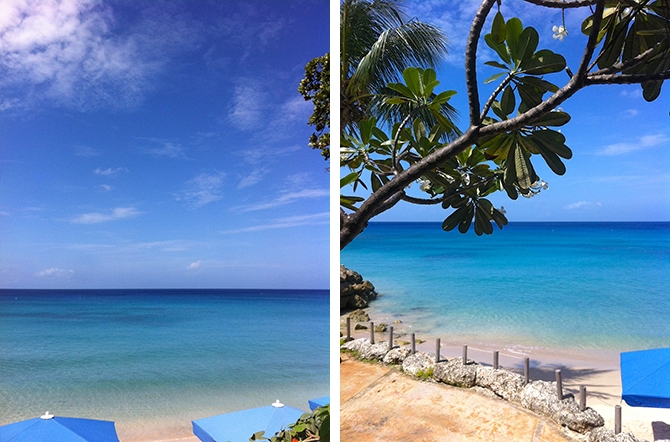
559,32
425,185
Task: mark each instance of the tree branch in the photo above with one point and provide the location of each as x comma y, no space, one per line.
493,96
626,78
628,64
560,4
471,60
592,42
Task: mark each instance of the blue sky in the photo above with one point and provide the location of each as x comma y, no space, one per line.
160,144
621,144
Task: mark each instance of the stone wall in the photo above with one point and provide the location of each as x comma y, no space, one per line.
537,396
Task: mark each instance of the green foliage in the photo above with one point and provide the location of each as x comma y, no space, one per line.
516,125
310,427
315,87
425,374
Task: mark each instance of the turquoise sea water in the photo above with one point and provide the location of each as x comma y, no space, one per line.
153,360
582,286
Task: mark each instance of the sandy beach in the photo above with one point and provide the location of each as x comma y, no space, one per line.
597,370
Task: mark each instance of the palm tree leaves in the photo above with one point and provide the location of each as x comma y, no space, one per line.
377,44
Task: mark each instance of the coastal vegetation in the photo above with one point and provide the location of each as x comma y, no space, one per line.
310,427
398,132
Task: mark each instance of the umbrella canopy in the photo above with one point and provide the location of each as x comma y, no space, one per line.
50,428
240,425
645,378
319,402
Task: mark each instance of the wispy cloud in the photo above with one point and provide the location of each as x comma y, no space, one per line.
630,113
105,187
632,93
286,223
165,148
102,217
204,189
55,273
248,105
286,198
194,265
86,151
582,205
644,142
253,178
65,51
109,171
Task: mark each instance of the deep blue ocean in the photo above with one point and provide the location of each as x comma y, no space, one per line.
153,360
583,286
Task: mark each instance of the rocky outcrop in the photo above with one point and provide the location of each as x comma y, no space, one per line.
603,434
355,293
503,383
359,316
418,363
453,372
540,397
396,355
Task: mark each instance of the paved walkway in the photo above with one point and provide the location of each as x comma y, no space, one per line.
379,403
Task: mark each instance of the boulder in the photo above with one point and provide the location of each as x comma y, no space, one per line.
396,355
360,327
373,352
540,397
359,315
381,328
453,372
503,383
603,434
355,293
418,363
355,345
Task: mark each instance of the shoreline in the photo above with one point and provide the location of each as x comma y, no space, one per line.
598,370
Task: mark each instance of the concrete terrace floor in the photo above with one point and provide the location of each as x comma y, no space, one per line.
379,403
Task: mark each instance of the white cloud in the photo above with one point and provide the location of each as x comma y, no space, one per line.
287,198
248,105
166,149
204,189
55,273
100,217
630,113
194,265
64,51
105,187
631,93
253,178
644,142
286,223
582,205
109,171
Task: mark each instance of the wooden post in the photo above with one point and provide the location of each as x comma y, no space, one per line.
496,355
526,370
437,350
559,385
617,419
465,354
582,398
372,332
390,338
413,343
348,328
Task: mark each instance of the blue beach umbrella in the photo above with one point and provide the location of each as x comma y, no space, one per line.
239,426
49,428
645,378
319,402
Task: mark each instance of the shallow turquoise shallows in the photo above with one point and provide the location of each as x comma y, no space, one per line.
584,286
153,360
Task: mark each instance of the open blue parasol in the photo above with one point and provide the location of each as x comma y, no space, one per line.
319,402
239,426
645,378
49,428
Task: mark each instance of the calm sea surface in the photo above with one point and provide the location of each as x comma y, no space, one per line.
153,360
583,286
